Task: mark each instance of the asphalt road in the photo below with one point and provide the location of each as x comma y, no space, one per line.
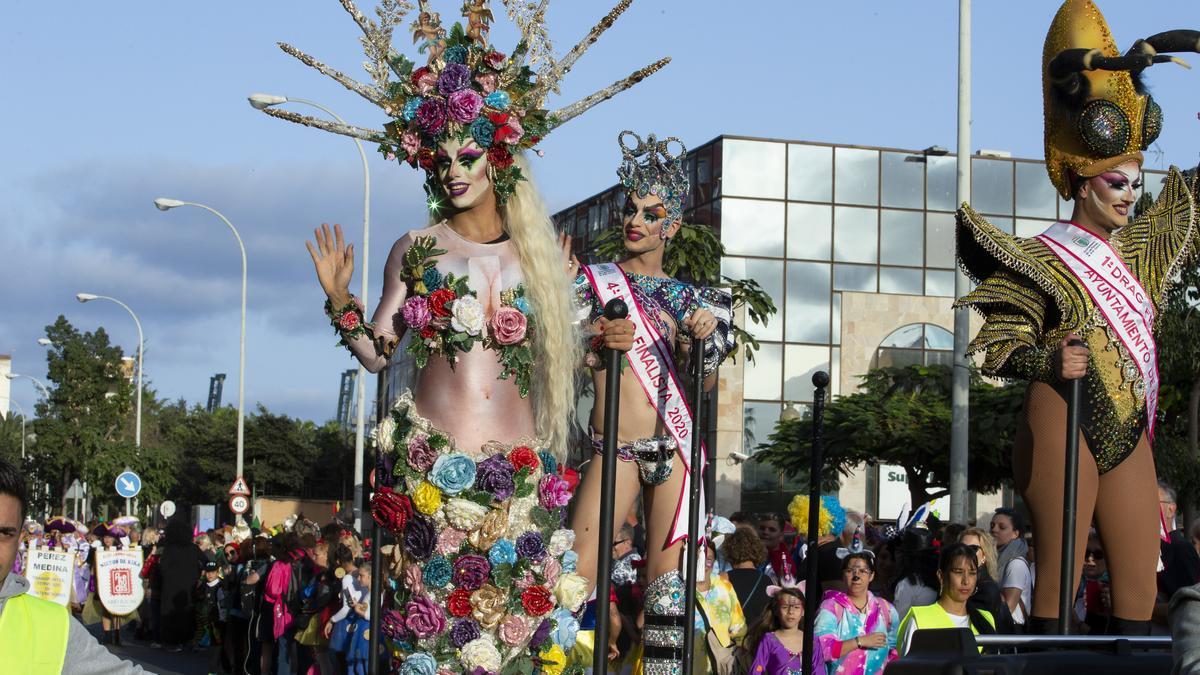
159,661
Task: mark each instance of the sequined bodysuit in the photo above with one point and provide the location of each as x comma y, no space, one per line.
1031,301
668,302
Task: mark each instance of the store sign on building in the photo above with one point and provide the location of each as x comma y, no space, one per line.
893,494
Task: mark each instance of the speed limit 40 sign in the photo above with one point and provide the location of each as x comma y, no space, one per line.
239,504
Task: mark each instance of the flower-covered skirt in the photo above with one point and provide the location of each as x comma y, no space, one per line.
485,574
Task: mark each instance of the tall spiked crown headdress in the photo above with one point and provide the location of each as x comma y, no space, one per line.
466,89
1098,113
649,168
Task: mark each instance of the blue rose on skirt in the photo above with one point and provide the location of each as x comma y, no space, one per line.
419,664
453,473
565,629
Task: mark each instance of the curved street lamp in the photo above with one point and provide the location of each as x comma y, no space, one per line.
165,204
38,383
262,102
88,297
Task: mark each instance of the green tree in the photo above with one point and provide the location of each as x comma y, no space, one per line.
80,427
901,416
694,255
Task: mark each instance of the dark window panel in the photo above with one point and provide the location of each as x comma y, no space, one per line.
903,180
806,310
859,278
901,238
992,185
1036,196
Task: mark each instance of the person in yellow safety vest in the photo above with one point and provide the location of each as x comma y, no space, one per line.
38,637
957,573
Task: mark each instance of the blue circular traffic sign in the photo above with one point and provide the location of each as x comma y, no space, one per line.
129,484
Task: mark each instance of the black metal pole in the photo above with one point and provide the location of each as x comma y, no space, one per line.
615,309
1066,585
376,533
812,596
697,478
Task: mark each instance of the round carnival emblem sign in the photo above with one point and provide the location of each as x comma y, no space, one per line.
239,504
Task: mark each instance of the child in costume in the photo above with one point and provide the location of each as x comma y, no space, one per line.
468,469
654,444
1098,279
776,640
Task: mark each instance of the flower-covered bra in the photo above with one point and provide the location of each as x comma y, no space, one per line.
447,317
450,293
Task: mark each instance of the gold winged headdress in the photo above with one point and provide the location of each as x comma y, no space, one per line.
1098,113
466,89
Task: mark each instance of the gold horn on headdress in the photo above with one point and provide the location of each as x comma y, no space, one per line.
1097,114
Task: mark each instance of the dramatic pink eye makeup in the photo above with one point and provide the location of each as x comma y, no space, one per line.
1119,181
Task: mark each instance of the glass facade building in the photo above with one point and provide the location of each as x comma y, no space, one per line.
822,227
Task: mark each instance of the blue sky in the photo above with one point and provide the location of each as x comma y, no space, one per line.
110,105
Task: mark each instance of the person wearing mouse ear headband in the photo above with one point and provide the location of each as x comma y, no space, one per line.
855,628
1080,302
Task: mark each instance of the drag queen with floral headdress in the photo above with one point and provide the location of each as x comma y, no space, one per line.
468,470
654,436
1099,279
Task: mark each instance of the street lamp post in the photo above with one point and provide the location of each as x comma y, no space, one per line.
261,102
164,204
38,383
137,434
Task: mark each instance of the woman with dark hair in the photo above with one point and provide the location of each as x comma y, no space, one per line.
1016,577
856,630
178,569
957,574
745,552
916,571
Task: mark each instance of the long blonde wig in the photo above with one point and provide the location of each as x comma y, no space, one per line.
557,350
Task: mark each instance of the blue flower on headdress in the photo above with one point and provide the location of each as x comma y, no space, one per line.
455,54
483,130
410,108
498,100
522,305
502,552
432,278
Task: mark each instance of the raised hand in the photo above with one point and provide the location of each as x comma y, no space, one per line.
334,260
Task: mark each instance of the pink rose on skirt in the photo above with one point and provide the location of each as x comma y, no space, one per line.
424,618
508,325
413,579
551,571
450,540
553,491
420,456
514,631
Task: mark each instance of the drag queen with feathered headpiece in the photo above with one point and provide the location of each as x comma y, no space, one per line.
468,472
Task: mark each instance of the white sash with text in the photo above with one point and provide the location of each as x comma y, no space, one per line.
654,368
1117,293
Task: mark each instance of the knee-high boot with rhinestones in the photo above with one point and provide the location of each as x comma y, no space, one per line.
662,638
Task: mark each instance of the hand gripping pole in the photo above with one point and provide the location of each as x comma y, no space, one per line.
615,309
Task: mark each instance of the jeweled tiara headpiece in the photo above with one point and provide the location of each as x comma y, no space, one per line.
1098,112
649,168
466,89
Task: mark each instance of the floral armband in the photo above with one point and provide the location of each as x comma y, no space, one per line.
347,321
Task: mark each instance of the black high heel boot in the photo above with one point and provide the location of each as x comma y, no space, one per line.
1036,625
1119,626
